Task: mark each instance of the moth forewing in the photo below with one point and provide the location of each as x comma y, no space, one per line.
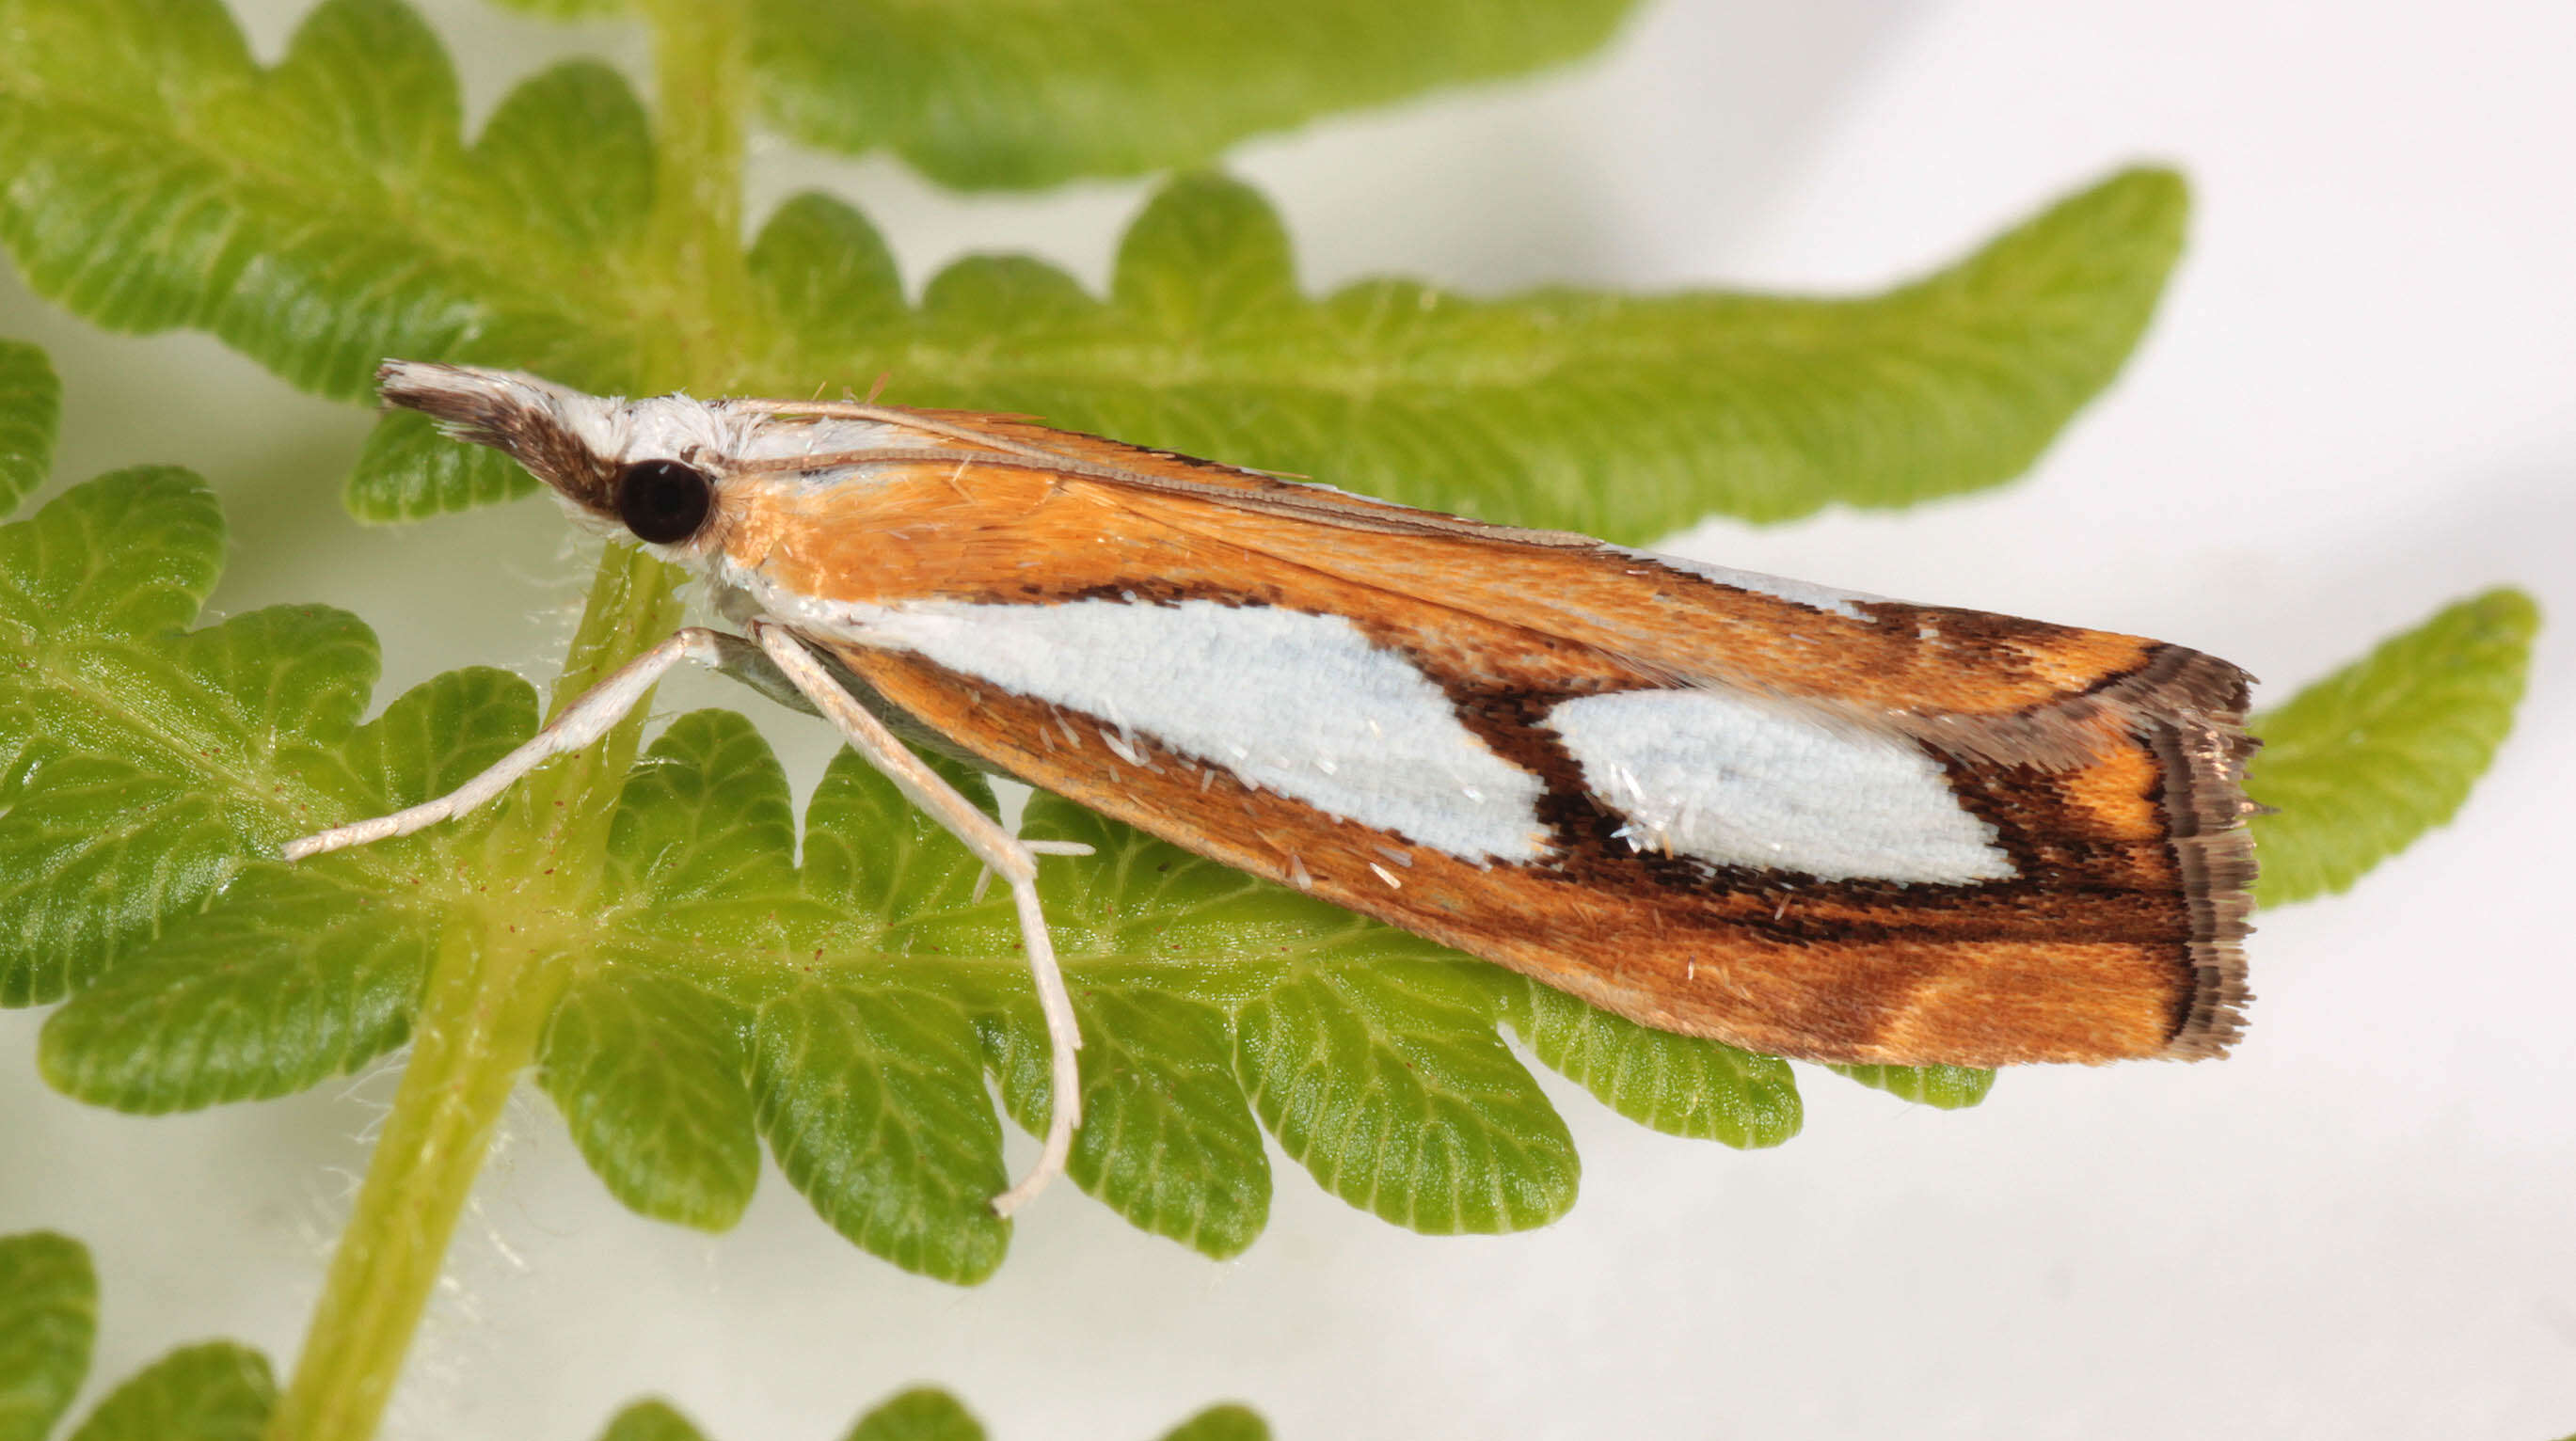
1801,820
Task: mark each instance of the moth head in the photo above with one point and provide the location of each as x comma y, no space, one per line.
650,469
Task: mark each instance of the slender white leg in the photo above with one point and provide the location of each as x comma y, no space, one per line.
582,722
984,877
600,708
1014,859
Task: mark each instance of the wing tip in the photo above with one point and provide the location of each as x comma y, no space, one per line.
2191,709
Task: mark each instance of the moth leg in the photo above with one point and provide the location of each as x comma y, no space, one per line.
581,723
749,665
1014,859
984,877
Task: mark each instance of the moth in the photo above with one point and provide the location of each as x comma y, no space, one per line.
1800,820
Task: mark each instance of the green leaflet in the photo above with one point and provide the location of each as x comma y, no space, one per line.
31,404
166,762
48,1320
217,1391
1004,95
1380,1080
647,1071
1368,1053
986,94
1221,1423
651,1421
872,1098
1166,1140
927,1413
924,1413
325,213
1679,1085
295,978
113,724
1946,1087
1617,415
318,215
151,764
2371,757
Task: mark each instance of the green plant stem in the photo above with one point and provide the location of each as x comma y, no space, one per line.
484,1007
563,809
702,69
479,1019
482,1013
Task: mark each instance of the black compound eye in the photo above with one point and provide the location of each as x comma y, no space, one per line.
663,501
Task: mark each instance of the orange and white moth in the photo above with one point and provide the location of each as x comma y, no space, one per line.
1796,819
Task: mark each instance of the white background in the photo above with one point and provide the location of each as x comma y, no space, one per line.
2356,405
